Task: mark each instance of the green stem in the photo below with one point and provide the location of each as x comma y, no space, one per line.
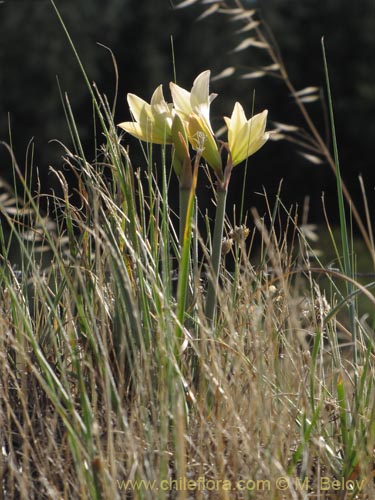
187,197
184,202
184,221
343,224
216,253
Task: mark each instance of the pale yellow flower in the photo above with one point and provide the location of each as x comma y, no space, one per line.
203,140
153,122
181,157
194,109
245,136
197,101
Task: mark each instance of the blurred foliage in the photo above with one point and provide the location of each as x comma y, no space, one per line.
34,51
348,29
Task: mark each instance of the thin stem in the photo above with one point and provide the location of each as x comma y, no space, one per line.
184,202
185,242
343,223
216,254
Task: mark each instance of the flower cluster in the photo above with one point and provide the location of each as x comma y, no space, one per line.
187,120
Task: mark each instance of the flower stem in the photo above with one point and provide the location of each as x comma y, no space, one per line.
187,197
216,253
184,202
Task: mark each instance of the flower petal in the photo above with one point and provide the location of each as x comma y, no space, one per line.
158,104
245,137
180,142
200,99
181,100
147,132
258,123
135,130
235,124
197,101
139,108
153,122
200,91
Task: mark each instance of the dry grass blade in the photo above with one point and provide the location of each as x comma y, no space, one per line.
239,14
249,27
98,399
308,99
307,91
250,42
208,12
185,3
311,158
286,127
253,74
227,72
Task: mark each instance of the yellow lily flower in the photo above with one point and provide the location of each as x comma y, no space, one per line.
202,139
245,137
181,158
153,122
197,101
194,109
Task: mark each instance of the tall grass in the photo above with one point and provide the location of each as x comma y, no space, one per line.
113,385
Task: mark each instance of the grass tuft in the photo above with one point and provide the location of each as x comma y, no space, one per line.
114,380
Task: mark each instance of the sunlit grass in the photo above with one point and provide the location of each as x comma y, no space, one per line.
116,383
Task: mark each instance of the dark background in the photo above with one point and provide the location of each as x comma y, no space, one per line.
34,51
